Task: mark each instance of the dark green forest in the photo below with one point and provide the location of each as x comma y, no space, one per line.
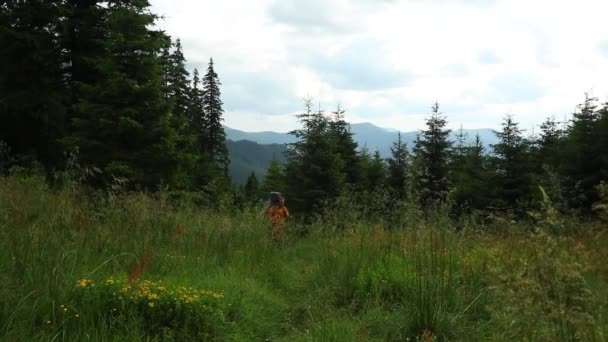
93,85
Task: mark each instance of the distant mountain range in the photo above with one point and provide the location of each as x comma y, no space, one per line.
253,151
259,137
247,156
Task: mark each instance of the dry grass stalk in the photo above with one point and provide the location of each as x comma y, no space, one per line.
140,266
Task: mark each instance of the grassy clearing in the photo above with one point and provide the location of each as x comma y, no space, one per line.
427,281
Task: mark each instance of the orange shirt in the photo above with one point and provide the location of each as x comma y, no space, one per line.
277,215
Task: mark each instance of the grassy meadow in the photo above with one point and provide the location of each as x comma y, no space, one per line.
140,267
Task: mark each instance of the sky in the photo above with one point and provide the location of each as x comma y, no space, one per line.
387,61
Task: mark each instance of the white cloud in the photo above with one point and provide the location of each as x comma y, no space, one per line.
388,61
603,47
488,57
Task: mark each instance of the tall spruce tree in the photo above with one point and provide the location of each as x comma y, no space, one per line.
178,83
84,31
196,111
470,179
365,159
33,93
460,148
432,151
252,189
165,66
583,169
178,92
373,171
458,154
601,131
85,27
214,137
398,165
376,173
511,164
275,178
550,142
346,146
123,125
314,170
546,158
205,170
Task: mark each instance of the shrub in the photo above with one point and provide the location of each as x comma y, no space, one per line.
542,294
601,207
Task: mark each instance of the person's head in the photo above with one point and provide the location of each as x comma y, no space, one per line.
276,198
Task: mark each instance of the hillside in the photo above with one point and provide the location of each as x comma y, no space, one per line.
248,156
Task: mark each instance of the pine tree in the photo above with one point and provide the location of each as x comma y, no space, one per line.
432,154
205,170
460,148
376,173
165,66
33,92
196,112
458,155
85,30
275,178
416,167
512,172
178,92
583,168
178,83
365,159
601,132
346,146
549,143
471,179
546,158
398,165
314,169
214,137
550,134
85,27
252,187
373,171
123,125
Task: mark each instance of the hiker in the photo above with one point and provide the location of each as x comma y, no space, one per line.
276,215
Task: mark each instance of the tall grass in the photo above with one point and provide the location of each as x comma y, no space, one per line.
346,278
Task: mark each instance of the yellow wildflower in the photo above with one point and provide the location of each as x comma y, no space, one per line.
84,283
151,304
